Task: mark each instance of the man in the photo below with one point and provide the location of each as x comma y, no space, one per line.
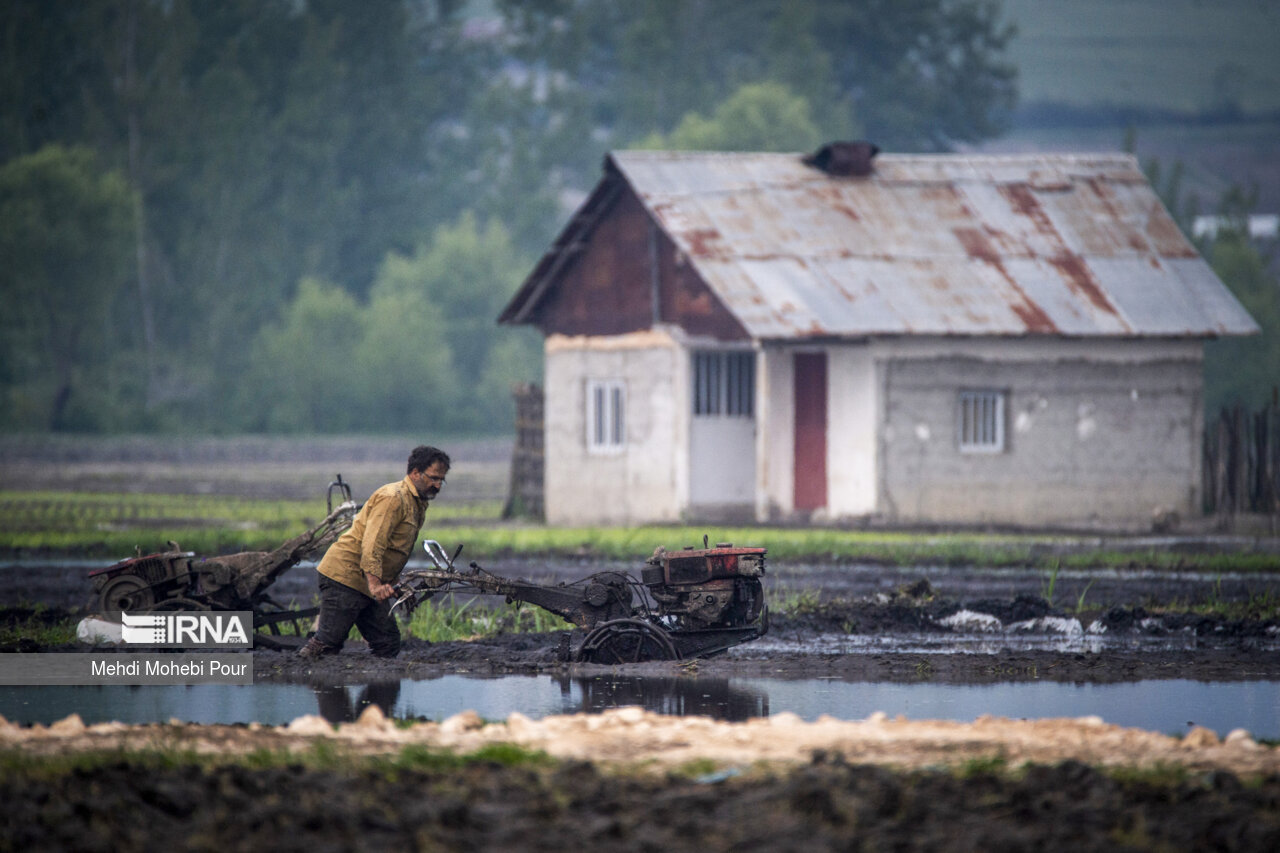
359,571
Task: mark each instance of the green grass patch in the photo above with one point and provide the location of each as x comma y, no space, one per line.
113,525
987,765
37,624
322,755
787,600
446,619
1158,775
1259,607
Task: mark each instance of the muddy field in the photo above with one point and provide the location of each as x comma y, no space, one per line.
1137,626
631,780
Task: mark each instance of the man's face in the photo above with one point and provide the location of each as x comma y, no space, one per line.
428,482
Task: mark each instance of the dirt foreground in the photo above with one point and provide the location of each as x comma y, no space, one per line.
631,780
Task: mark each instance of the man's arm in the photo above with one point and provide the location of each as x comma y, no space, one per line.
382,518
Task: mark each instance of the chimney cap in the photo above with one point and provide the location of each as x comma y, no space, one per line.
844,158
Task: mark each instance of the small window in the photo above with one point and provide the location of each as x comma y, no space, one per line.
724,383
606,416
980,421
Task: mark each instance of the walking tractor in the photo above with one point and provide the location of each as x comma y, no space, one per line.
179,580
687,604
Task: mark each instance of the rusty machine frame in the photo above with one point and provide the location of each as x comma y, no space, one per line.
687,604
179,580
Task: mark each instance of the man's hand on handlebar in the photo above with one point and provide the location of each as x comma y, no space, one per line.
379,590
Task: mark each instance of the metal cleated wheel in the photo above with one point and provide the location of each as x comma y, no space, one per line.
281,629
125,592
626,641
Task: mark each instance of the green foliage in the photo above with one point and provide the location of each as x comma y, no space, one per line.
1050,583
789,601
421,354
440,304
111,525
444,620
757,117
262,158
1244,371
40,626
302,364
1238,371
914,75
66,230
402,367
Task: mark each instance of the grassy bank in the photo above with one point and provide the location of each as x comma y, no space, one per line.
110,527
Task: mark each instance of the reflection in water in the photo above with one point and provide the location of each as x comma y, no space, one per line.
680,697
1169,706
337,705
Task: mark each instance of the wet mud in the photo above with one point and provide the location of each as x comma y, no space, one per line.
875,785
831,639
909,633
826,805
994,784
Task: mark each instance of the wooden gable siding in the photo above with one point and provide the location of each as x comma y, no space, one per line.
608,288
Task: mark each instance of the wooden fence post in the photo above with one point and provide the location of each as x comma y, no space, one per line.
524,496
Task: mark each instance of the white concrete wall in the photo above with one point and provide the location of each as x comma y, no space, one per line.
1096,432
852,420
648,480
853,405
775,434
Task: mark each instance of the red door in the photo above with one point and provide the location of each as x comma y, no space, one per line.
811,431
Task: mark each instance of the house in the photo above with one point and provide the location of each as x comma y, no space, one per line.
951,339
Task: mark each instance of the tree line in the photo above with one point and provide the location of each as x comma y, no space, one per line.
304,215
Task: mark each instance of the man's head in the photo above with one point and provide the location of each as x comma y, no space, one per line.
426,469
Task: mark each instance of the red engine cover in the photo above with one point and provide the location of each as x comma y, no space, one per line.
702,565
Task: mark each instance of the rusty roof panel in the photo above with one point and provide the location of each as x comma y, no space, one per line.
935,244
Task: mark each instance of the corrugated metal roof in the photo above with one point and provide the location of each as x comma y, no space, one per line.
935,244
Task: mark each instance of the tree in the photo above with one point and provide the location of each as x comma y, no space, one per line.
1237,371
301,380
758,117
65,232
403,363
1244,371
920,75
913,74
447,295
266,141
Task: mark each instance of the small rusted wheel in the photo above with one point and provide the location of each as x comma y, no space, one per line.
626,641
125,592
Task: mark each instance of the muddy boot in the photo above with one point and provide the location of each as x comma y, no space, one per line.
314,649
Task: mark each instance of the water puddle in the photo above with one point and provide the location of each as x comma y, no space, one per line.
920,643
1169,706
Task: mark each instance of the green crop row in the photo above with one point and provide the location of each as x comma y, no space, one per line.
69,523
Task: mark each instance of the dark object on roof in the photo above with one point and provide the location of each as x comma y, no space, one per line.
844,158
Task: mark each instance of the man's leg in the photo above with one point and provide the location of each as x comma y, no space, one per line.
340,606
378,626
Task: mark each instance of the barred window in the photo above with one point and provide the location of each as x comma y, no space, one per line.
606,415
980,421
724,383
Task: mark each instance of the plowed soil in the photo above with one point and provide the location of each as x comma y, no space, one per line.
630,780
